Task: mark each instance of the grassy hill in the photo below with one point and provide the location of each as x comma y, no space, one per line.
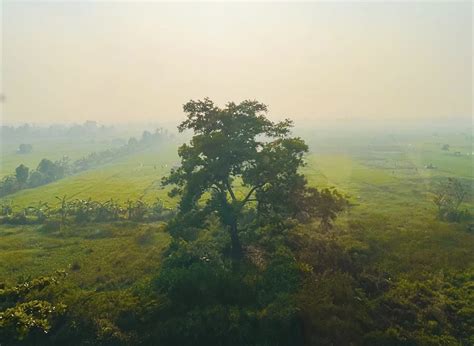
129,177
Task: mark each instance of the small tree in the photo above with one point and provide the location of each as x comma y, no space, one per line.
132,142
50,170
8,185
448,198
22,173
25,149
64,208
36,179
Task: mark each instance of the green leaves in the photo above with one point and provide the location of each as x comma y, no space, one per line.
228,143
238,143
448,197
23,315
17,322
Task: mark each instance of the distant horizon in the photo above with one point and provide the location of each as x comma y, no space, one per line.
298,125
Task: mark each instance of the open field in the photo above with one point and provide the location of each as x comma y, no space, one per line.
391,229
129,177
388,185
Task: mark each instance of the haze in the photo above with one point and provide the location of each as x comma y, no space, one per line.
126,62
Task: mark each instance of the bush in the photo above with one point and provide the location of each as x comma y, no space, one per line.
25,319
50,226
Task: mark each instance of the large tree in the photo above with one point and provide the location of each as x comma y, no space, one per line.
238,145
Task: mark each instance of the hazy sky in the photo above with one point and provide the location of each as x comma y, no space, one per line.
140,61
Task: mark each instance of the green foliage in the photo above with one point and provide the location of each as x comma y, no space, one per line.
209,301
41,211
21,174
437,310
6,208
23,318
239,144
449,196
17,292
8,185
24,148
49,171
82,211
99,318
333,309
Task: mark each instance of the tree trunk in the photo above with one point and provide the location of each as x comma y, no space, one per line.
229,218
236,250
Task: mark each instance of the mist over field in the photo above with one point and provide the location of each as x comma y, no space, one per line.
236,173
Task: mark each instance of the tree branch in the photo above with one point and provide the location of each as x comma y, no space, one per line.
230,191
252,190
216,188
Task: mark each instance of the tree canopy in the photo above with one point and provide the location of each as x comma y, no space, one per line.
22,173
238,156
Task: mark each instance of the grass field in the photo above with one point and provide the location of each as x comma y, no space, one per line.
387,183
97,257
50,149
129,177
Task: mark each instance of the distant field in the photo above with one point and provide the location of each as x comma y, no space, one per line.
382,175
391,168
53,150
392,192
130,177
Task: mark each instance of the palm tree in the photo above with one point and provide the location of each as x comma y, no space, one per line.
64,208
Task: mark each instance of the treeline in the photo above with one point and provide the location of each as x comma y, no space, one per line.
48,171
82,211
24,132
